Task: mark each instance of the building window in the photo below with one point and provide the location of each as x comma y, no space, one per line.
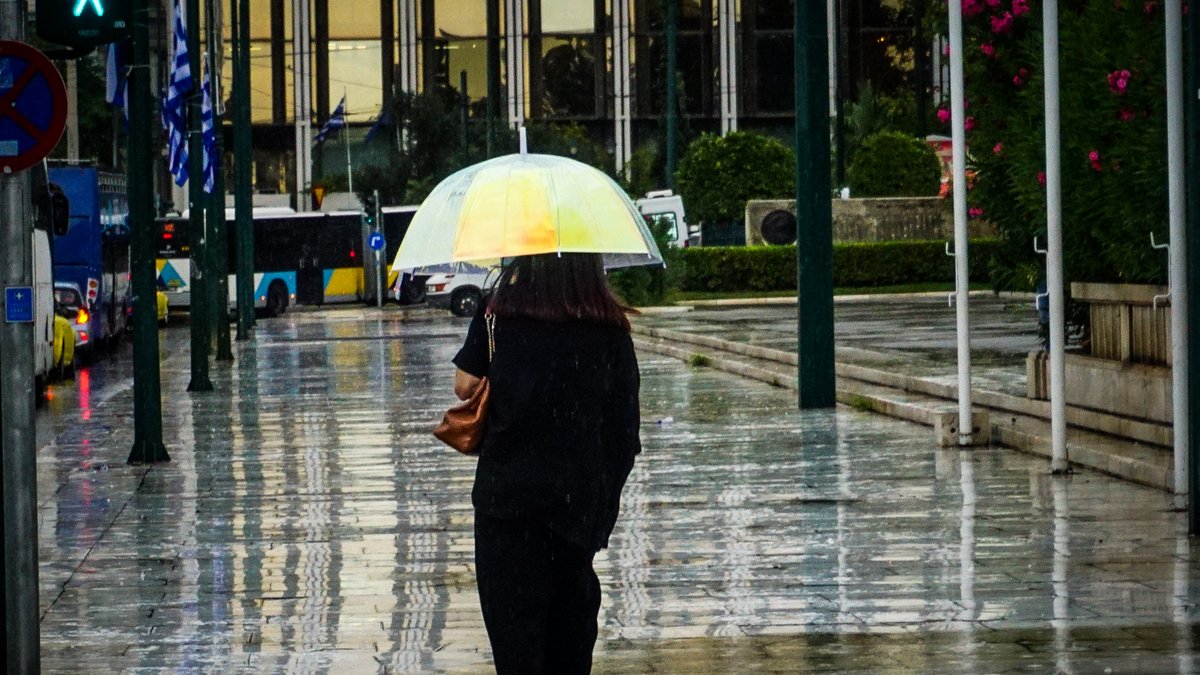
694,58
768,55
453,36
565,58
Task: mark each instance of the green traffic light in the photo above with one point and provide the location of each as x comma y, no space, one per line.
96,5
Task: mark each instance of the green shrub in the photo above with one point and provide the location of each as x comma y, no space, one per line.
773,268
892,164
719,174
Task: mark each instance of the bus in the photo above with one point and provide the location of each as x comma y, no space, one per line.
93,252
299,258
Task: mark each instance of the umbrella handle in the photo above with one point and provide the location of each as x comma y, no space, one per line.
524,144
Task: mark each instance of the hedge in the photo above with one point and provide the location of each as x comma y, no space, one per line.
773,268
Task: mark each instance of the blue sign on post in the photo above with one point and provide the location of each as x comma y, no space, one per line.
375,241
18,304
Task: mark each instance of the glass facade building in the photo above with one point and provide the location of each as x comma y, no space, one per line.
599,63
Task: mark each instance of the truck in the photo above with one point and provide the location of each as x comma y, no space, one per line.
93,251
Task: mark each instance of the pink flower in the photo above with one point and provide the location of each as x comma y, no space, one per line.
969,124
975,212
943,115
946,49
998,150
1125,115
988,50
993,3
1002,24
1118,81
1017,81
1149,7
1020,7
972,7
1094,159
1041,178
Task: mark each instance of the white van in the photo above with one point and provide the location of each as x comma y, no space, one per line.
43,312
664,204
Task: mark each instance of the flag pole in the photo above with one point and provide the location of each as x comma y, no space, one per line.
346,137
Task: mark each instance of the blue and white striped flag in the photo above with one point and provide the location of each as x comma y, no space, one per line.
336,121
208,132
174,108
115,81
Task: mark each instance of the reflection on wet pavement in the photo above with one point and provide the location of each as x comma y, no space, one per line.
309,522
910,334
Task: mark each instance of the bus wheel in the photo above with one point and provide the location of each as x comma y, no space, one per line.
277,299
465,302
412,292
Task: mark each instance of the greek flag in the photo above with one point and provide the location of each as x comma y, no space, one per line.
115,80
336,121
174,108
208,132
381,123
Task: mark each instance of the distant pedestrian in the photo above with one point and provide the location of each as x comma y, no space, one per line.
562,433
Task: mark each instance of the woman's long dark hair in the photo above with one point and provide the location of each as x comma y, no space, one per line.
558,287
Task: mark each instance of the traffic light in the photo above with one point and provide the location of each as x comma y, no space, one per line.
370,212
82,23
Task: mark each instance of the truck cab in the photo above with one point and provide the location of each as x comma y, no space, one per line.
664,205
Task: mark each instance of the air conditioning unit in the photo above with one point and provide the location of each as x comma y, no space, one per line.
771,222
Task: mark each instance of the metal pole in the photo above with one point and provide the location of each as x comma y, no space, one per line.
463,111
244,164
1054,252
839,102
379,254
671,97
493,70
346,138
814,214
147,388
219,247
18,468
1177,214
1192,176
961,270
199,311
920,44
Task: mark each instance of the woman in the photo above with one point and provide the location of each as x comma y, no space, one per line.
562,432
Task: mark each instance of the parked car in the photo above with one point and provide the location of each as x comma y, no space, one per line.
69,303
460,287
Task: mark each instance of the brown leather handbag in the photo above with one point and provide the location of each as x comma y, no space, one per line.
463,425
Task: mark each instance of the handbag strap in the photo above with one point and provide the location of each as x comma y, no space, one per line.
490,320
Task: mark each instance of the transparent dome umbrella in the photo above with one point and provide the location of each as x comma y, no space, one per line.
526,204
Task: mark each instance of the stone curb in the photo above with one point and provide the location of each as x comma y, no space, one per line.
857,387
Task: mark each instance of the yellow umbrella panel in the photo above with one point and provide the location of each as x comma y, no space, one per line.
525,205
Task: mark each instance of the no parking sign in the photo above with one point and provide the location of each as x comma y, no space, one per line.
33,106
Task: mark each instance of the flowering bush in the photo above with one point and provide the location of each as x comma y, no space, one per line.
1113,134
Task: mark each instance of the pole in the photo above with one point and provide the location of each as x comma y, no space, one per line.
920,44
839,99
219,247
1192,176
463,112
243,166
379,254
1177,215
18,468
346,138
672,94
814,215
147,389
1054,252
493,70
961,270
199,312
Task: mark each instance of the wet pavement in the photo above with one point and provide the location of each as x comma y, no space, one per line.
914,334
308,522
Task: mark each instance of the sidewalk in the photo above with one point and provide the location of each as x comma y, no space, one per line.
309,522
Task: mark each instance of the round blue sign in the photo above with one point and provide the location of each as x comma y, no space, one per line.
375,241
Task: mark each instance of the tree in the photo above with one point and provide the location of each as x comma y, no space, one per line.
1113,136
718,175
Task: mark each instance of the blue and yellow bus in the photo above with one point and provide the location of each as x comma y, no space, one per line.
299,258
